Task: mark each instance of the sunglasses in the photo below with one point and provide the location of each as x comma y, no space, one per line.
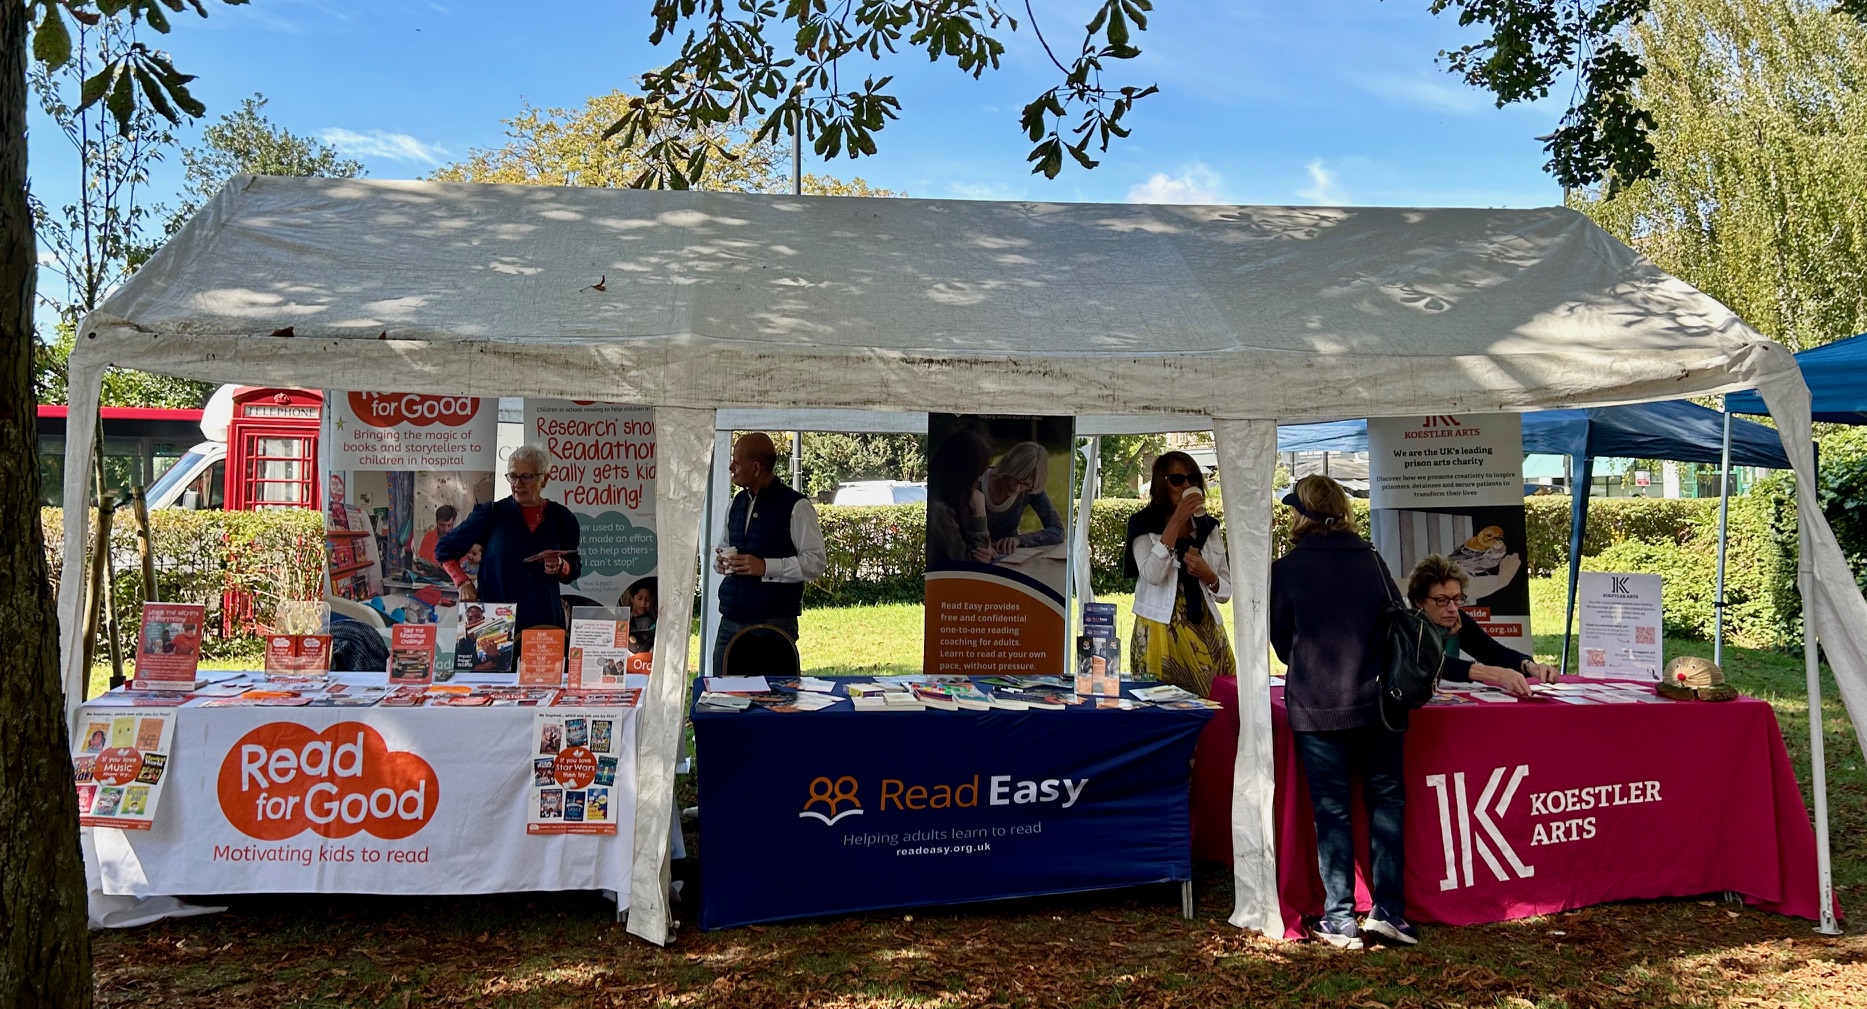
1181,479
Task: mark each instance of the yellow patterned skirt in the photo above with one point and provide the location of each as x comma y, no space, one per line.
1182,653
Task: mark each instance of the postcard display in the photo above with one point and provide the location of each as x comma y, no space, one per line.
1621,633
1454,486
392,462
422,800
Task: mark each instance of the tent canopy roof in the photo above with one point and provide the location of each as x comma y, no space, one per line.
1837,377
1679,431
733,300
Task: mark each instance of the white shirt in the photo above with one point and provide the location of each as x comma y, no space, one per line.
811,560
1159,584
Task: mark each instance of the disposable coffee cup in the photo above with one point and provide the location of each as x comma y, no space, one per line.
720,553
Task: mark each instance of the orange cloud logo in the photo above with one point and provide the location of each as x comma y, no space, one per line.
282,779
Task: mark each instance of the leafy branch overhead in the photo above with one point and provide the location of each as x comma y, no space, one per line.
730,72
137,68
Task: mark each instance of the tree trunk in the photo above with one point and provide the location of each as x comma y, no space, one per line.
47,958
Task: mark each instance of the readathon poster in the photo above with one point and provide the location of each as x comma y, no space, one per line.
402,470
998,521
1453,485
603,470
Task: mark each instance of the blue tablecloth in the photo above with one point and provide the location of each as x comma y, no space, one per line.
838,811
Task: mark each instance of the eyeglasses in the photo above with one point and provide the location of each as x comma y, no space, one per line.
524,477
1181,479
1448,600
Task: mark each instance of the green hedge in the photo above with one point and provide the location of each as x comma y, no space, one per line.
876,554
201,556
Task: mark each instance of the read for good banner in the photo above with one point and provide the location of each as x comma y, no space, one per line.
1453,485
402,469
1621,627
412,800
120,761
573,771
602,469
998,521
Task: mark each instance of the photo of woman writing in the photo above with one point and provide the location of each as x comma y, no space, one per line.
529,545
1012,486
1176,555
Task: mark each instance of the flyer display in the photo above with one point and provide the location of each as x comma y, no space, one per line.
1454,486
603,649
573,771
119,764
168,653
998,520
1621,627
603,470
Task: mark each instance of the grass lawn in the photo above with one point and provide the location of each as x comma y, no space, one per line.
528,951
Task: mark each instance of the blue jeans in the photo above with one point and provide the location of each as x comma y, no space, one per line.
730,627
1329,758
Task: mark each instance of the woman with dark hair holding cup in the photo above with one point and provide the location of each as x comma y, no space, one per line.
1327,596
1176,555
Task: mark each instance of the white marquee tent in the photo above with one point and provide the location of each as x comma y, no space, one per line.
1161,317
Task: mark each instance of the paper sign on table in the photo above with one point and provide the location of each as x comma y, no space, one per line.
168,652
573,772
411,653
541,657
119,764
1621,627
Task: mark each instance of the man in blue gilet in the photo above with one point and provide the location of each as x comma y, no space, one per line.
773,545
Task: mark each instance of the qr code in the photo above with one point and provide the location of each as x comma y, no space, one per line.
1595,658
1644,636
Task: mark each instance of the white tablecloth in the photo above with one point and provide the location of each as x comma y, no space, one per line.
461,779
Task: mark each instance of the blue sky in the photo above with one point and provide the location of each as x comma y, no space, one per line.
1326,102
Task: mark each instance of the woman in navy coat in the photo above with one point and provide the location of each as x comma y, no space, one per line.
529,545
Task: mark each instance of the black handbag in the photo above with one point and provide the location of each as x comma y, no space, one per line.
1408,655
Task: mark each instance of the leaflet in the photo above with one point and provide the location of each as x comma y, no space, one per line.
573,772
119,764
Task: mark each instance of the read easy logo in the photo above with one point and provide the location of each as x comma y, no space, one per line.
832,794
283,778
390,409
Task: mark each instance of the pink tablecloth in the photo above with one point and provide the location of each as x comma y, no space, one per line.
1535,807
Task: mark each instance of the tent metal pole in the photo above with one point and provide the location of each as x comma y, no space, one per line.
1724,532
1818,774
1582,470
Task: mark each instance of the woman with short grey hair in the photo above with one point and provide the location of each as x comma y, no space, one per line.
529,545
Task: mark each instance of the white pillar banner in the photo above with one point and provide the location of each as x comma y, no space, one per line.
84,383
1247,463
685,446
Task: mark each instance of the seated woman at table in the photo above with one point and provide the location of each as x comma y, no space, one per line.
1437,588
1176,555
1014,484
1327,595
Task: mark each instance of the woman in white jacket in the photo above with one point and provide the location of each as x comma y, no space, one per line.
1176,555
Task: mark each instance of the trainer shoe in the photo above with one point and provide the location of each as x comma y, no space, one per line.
1390,928
1341,935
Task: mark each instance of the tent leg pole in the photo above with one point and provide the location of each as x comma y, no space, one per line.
1186,899
1724,532
1818,775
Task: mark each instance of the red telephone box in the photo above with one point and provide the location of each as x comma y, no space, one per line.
272,449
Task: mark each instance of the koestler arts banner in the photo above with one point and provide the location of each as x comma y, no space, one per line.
403,469
603,469
998,520
1454,486
423,800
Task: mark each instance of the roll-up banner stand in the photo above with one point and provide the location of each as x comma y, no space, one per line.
1454,486
998,522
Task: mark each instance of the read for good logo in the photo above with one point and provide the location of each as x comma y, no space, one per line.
392,409
283,778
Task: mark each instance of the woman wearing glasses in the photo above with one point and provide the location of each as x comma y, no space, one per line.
1176,555
1015,483
530,545
1437,587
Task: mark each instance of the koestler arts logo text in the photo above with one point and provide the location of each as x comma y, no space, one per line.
283,778
391,409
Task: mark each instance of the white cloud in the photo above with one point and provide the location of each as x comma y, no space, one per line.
985,191
1323,186
387,146
1197,184
1439,94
